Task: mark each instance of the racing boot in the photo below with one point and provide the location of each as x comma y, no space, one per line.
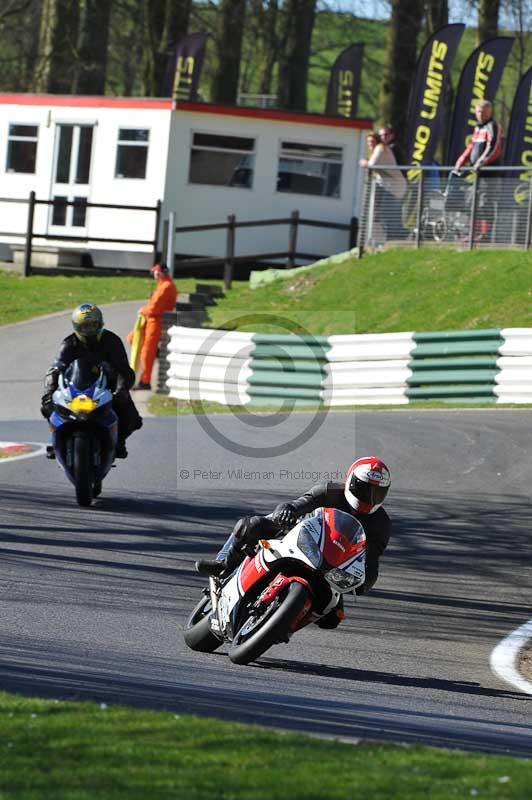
333,618
222,567
121,449
211,568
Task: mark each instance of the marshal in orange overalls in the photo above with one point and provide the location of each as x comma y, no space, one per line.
162,300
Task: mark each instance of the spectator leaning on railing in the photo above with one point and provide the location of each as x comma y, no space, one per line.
387,136
484,150
485,147
390,187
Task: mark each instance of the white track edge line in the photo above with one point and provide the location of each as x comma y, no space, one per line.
10,459
504,658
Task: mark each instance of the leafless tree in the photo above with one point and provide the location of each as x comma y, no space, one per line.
93,38
297,26
57,48
165,23
405,25
488,19
229,49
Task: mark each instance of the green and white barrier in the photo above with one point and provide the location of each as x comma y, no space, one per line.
493,365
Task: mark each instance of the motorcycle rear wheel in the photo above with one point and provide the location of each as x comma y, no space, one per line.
198,633
252,641
83,471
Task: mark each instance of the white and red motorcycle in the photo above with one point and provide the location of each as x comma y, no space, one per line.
285,585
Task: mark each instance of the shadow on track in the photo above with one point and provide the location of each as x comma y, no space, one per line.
388,678
50,670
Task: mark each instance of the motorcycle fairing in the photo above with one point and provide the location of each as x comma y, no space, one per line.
312,542
102,421
330,538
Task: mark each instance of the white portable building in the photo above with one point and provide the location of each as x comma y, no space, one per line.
202,161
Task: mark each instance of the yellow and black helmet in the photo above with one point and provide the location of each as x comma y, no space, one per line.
87,321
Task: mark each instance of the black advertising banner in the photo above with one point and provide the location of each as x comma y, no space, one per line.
427,96
184,68
519,142
479,80
344,83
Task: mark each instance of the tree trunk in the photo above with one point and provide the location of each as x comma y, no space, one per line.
400,64
271,46
229,45
298,24
437,13
488,20
58,36
93,41
165,23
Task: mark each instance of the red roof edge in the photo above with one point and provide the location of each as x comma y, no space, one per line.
85,101
102,101
306,118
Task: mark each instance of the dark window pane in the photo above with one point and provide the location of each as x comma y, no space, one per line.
133,135
221,169
223,142
23,130
84,154
309,169
79,212
59,210
300,176
131,161
64,151
21,156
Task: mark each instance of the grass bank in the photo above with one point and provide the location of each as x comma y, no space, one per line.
398,290
85,750
164,406
25,298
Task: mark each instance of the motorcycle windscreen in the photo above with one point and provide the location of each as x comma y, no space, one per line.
344,537
308,539
83,373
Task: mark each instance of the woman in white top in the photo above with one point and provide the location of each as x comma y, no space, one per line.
390,187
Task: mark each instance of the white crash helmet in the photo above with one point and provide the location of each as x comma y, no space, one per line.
366,484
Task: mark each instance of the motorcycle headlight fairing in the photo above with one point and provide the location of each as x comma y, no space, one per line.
341,580
81,404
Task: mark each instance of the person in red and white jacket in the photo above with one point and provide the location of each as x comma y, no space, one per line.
485,147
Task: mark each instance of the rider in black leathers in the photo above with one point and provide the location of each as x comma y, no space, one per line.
91,339
366,486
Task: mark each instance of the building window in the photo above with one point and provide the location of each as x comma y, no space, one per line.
309,169
22,148
219,160
132,153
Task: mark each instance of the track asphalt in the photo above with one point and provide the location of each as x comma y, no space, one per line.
94,600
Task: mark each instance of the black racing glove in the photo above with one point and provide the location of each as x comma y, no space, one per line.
121,395
47,405
286,515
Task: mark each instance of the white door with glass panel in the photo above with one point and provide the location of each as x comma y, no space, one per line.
70,179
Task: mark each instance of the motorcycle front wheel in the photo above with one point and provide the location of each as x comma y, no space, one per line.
198,633
83,471
258,634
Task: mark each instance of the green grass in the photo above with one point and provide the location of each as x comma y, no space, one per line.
164,406
397,290
25,298
83,750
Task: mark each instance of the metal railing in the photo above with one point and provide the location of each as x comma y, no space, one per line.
440,206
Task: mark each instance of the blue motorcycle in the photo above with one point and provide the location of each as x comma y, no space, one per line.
84,427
